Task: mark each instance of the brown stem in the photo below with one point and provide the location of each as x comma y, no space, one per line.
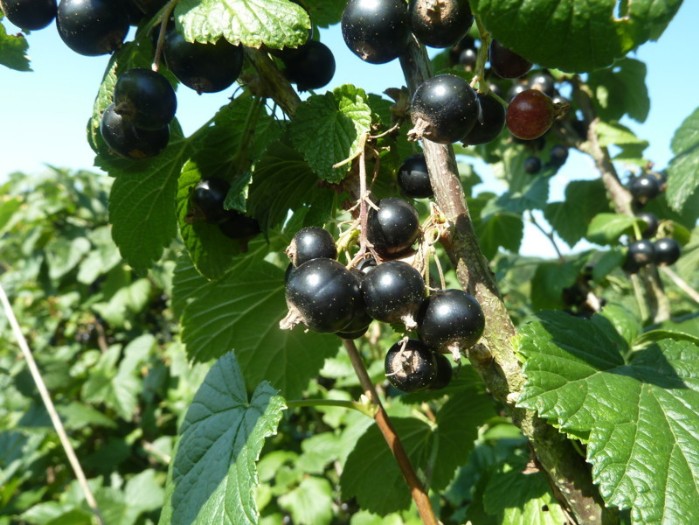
383,422
494,357
270,82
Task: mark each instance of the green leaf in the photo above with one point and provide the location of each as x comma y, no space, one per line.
550,278
213,476
583,200
328,129
615,134
62,255
499,230
621,90
251,23
242,312
575,35
682,182
311,503
636,414
13,50
284,182
325,13
606,228
142,204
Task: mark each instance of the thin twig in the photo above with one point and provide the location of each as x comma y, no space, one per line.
165,18
681,284
422,501
48,403
548,235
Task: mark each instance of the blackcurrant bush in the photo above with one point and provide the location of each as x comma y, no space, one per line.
145,97
410,366
544,82
324,294
236,225
205,68
312,66
92,27
207,199
506,63
490,123
413,178
444,108
530,114
126,140
377,31
393,227
393,292
30,15
651,227
558,155
666,250
309,243
644,188
443,373
532,165
440,24
450,320
640,253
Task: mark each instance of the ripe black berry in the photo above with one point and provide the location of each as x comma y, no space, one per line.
444,108
145,98
558,155
443,373
205,68
644,188
393,292
440,24
450,320
544,82
324,294
207,199
506,63
30,15
413,178
92,27
640,253
530,114
410,366
532,165
651,227
465,44
361,320
377,31
666,250
126,140
490,122
394,227
311,66
310,243
236,225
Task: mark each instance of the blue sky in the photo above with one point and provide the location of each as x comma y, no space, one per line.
43,114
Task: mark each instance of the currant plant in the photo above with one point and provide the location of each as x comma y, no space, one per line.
376,349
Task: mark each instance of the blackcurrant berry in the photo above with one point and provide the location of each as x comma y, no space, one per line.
667,251
440,24
450,320
324,294
367,264
506,63
466,43
443,373
126,140
530,114
444,108
468,58
207,199
359,324
651,227
377,31
92,27
558,155
410,366
644,188
393,292
413,178
309,243
145,98
236,225
490,123
205,68
30,15
394,227
532,165
515,90
544,82
640,253
312,66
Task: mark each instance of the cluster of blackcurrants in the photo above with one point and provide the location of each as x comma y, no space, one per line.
649,250
445,108
326,296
